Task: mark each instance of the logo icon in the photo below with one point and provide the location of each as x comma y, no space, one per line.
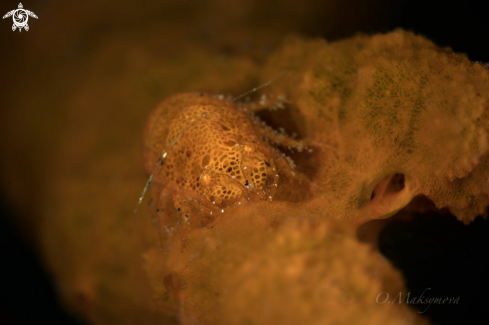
20,17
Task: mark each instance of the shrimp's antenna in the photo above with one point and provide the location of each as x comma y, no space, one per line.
163,156
159,163
256,88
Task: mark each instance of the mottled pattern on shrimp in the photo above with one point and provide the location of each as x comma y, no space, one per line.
213,151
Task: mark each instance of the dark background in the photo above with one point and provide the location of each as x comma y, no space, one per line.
432,251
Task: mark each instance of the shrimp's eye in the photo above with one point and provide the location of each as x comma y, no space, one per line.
249,148
206,179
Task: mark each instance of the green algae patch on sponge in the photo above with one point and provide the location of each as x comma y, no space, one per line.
259,268
392,104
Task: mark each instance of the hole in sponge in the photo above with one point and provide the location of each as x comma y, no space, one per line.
391,184
392,193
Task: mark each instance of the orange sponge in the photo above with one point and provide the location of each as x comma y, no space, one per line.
246,210
384,105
